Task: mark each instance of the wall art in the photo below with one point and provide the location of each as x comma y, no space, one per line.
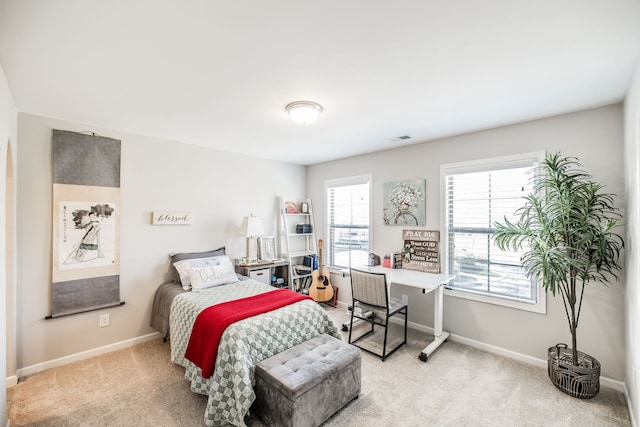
404,202
86,223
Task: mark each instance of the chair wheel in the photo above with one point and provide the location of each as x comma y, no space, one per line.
423,357
345,328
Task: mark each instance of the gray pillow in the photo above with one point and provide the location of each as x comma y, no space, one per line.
192,255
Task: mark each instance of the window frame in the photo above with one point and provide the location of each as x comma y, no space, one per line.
483,165
343,182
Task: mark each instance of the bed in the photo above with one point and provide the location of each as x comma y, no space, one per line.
242,345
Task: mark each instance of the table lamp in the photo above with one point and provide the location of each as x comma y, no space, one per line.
251,228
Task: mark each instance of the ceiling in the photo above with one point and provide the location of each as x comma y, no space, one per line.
220,73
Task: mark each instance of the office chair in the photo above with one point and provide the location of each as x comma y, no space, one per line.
371,295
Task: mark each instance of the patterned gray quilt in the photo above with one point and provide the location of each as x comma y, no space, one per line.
243,344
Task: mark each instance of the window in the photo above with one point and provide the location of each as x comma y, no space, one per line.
348,215
477,195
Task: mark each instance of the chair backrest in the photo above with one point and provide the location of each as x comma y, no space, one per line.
369,288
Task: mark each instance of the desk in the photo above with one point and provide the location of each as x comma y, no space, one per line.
428,282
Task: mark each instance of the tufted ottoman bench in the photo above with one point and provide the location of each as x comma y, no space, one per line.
308,383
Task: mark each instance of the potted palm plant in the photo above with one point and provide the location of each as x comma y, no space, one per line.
566,230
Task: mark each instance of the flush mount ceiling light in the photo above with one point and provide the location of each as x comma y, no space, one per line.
304,112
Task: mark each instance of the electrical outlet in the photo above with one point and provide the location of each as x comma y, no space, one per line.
104,320
405,299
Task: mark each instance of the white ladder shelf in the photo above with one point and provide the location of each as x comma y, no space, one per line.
297,245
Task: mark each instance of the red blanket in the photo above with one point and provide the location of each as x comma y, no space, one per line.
212,322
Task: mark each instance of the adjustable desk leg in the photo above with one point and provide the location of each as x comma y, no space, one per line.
440,336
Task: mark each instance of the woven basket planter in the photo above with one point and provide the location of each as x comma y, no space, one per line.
582,381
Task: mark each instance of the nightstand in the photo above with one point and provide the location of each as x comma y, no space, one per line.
263,271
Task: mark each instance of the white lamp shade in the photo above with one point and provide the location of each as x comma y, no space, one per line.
304,112
251,226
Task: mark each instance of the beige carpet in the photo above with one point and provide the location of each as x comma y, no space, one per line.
458,386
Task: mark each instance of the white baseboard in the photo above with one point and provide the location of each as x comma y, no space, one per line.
604,381
343,304
630,406
40,367
541,363
12,380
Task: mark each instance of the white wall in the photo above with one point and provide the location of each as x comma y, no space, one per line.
595,137
632,181
219,189
8,149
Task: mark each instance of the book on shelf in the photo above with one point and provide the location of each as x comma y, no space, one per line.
302,284
311,261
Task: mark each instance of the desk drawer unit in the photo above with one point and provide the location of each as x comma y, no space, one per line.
262,275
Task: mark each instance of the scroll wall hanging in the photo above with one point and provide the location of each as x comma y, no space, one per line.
86,226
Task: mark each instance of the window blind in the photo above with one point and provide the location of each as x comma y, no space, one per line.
475,201
348,213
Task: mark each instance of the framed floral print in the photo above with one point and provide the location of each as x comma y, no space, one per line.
404,202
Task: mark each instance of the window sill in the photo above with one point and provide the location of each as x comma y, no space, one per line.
344,272
540,307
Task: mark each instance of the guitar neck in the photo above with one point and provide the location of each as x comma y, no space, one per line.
320,256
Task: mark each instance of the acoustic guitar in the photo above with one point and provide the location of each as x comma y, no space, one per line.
320,290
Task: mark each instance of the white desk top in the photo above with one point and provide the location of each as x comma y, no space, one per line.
412,278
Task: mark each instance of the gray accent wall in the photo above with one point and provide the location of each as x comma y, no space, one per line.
595,136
